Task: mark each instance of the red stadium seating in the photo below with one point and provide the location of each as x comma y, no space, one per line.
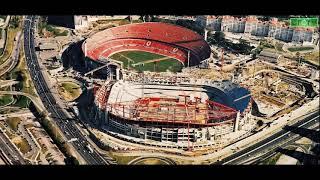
161,38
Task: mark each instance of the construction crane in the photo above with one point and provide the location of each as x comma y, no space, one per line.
222,60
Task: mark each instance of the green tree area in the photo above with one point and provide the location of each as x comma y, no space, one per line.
265,44
305,48
14,22
5,99
218,39
21,101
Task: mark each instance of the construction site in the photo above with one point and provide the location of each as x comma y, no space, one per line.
171,112
216,99
197,111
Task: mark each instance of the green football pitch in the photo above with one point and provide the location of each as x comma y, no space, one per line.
145,61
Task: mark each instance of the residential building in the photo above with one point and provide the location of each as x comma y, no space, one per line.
233,24
256,27
301,35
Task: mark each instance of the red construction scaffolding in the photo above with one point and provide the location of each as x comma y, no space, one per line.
174,111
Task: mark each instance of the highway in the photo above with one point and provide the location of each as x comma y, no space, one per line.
269,144
56,112
31,97
12,61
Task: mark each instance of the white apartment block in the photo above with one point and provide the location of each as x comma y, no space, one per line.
251,25
232,24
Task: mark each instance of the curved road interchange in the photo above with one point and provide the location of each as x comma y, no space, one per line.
55,111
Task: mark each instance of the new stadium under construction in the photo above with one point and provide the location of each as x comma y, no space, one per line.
170,110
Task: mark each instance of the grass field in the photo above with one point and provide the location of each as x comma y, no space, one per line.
23,145
123,160
69,90
13,122
151,161
21,74
313,58
11,33
5,99
278,46
27,85
294,49
22,101
135,59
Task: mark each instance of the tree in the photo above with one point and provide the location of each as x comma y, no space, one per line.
298,57
141,17
244,42
219,37
15,21
71,161
254,53
210,38
260,123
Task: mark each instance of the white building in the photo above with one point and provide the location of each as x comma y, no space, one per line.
171,17
280,31
255,27
212,23
80,22
315,39
233,24
301,35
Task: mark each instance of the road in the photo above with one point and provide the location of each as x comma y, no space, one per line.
13,60
24,113
3,34
6,83
32,98
66,125
269,144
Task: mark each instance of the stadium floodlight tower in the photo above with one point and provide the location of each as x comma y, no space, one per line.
205,34
188,58
85,49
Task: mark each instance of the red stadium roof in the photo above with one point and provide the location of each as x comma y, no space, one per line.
161,38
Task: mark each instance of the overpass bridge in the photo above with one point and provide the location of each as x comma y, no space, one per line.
6,83
34,99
